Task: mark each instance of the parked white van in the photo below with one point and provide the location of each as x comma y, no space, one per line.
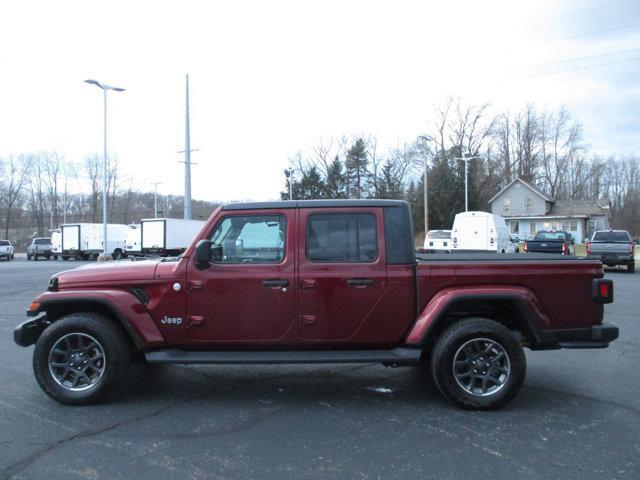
481,232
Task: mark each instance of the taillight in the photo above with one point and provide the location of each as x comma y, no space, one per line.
602,291
564,248
588,248
491,240
455,239
526,246
631,248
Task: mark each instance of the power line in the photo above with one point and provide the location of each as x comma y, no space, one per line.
612,5
577,59
580,68
589,33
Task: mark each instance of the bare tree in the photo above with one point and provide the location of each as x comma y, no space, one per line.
15,181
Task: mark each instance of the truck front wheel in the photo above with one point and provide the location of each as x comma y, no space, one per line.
477,363
81,358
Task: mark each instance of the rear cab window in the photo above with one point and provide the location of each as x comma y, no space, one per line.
342,237
611,237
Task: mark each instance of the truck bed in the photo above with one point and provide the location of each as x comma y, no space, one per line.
495,257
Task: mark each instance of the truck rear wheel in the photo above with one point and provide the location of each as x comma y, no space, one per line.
478,364
631,267
81,358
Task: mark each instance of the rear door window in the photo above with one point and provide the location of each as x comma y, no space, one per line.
342,237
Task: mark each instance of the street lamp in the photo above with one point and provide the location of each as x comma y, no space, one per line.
155,198
466,187
104,88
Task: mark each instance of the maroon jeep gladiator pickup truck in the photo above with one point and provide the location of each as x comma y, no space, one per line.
318,281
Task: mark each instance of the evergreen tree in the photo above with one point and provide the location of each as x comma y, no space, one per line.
357,171
335,181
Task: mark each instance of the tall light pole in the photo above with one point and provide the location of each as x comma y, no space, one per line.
425,185
104,88
155,198
466,177
290,183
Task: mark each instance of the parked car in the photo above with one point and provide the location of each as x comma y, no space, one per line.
481,232
437,241
551,241
332,281
39,247
612,247
6,250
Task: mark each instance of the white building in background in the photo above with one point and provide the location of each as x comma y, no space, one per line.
527,210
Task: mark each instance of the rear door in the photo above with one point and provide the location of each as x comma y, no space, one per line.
71,238
341,270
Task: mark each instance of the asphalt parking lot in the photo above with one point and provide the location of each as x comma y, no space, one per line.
577,416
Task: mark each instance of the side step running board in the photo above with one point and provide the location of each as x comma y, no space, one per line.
394,356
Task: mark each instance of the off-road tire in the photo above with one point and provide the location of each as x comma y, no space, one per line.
28,257
55,257
65,257
631,267
117,352
450,341
35,257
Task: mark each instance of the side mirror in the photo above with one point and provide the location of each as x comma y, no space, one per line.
516,239
203,254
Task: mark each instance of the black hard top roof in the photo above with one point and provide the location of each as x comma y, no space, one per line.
313,204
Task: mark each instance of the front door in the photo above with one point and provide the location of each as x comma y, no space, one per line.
246,295
342,271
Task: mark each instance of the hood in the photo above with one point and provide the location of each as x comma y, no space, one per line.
108,272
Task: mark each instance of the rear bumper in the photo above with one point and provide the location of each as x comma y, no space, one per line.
597,336
612,258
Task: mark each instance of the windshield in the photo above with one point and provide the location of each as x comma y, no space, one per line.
552,236
4,243
42,241
611,237
439,234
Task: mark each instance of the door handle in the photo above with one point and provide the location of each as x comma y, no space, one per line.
360,282
275,283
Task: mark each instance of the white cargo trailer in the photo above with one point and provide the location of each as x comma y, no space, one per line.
168,236
56,242
84,240
132,241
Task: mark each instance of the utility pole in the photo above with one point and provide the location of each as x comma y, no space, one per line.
466,176
426,200
155,198
290,183
187,156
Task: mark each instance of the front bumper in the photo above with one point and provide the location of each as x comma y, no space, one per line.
28,332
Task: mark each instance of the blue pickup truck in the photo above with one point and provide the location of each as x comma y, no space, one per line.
550,241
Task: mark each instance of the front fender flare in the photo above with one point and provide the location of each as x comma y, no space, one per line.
123,304
522,298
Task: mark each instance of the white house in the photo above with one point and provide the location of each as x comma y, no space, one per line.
527,210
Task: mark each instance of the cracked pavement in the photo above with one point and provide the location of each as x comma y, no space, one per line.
577,416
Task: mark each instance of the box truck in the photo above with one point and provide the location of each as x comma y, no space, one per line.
132,243
481,232
84,240
56,242
168,236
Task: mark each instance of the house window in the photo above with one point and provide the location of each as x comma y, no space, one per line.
574,225
529,204
515,226
565,225
507,205
532,228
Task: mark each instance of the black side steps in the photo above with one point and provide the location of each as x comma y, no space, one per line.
396,356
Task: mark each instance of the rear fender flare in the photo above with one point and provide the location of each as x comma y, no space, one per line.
536,321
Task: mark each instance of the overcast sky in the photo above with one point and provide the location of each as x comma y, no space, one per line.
269,78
